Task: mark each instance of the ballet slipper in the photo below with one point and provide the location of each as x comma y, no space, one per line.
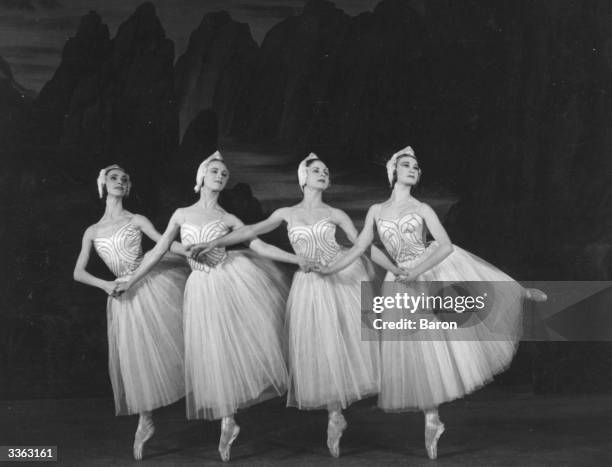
433,431
145,431
335,427
229,433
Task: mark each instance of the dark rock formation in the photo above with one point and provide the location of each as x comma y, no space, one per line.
82,59
113,101
347,88
199,142
377,86
292,66
8,85
214,70
15,103
239,200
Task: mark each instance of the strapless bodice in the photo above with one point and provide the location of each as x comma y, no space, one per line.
403,237
315,242
191,234
122,251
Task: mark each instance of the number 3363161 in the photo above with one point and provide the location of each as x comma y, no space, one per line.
40,453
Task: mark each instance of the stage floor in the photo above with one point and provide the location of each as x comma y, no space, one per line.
493,427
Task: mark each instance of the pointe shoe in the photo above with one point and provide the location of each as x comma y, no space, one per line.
335,427
229,433
536,295
432,435
144,433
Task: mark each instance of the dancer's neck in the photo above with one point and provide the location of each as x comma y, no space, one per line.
313,199
401,193
114,207
208,198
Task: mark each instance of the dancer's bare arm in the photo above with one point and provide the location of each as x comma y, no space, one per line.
150,231
242,234
80,273
153,256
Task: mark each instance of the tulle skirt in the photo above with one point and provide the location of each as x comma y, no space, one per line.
233,325
435,366
145,340
329,363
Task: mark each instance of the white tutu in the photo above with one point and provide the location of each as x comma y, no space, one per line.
436,366
328,361
145,340
233,321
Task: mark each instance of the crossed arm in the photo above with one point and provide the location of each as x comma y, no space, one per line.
164,243
110,287
248,232
150,231
242,234
255,244
379,257
366,237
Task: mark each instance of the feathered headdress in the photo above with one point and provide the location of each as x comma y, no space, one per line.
392,163
215,156
101,180
302,171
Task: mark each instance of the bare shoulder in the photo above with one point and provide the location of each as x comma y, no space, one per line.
90,232
338,213
425,209
178,216
231,220
284,212
229,217
374,210
139,220
291,209
380,207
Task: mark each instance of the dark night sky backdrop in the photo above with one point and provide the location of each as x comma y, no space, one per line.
33,32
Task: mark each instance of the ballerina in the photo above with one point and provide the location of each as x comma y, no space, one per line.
145,328
233,310
435,366
330,366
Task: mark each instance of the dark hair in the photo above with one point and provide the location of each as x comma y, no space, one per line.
310,161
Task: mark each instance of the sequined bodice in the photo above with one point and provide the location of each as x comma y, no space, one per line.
316,242
122,251
403,238
191,234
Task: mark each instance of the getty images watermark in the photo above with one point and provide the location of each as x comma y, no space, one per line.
422,310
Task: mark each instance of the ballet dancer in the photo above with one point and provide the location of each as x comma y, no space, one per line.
145,327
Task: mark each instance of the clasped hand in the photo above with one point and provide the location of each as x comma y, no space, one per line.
406,275
309,265
197,251
117,287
